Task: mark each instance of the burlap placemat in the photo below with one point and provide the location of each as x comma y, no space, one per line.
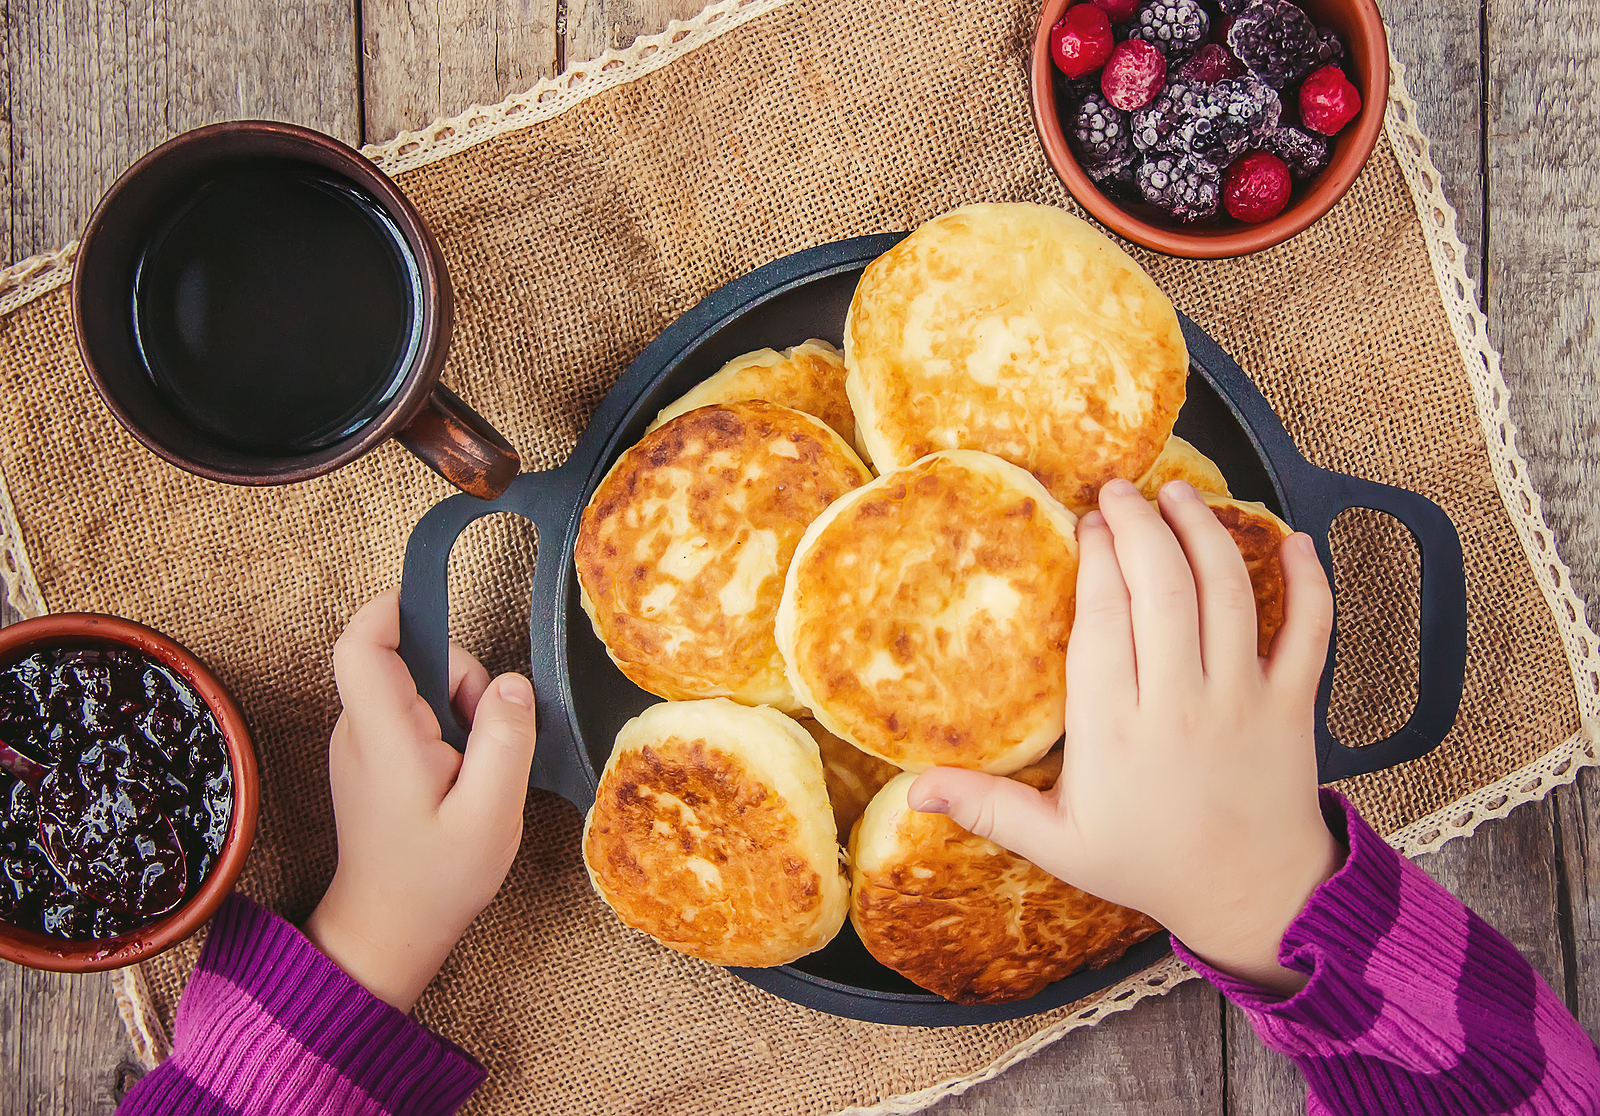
578,220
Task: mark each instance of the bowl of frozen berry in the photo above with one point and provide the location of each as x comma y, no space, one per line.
1209,128
128,791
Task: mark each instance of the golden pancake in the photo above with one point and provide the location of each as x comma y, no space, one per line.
1181,461
682,550
711,832
853,776
808,377
925,616
960,916
1258,534
1021,331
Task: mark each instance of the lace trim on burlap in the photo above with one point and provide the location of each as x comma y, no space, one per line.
554,96
28,280
1448,254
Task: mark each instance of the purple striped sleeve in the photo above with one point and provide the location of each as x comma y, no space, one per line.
270,1025
1415,1004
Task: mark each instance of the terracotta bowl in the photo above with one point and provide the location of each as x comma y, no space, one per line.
1358,24
38,951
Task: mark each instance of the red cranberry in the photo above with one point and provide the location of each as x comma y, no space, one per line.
1082,41
1256,187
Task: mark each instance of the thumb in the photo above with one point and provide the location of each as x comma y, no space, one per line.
494,770
1011,814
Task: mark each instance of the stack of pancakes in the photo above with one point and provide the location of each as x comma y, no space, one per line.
817,630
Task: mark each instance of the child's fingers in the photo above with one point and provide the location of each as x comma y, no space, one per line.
468,681
1222,584
494,771
1011,814
367,667
1300,648
1166,615
1100,651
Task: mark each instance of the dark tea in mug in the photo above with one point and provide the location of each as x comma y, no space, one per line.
259,304
278,309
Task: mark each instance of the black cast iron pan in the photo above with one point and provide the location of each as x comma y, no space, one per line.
583,699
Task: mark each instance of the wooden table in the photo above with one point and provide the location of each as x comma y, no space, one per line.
1507,94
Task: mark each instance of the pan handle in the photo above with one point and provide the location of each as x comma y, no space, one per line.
543,499
1319,497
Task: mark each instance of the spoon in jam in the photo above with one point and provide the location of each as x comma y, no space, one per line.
108,844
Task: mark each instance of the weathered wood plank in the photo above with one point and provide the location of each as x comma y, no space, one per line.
1544,245
1163,1057
1544,279
96,83
1578,814
424,61
1438,43
593,26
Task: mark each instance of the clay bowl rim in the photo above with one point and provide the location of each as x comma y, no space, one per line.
1366,37
39,951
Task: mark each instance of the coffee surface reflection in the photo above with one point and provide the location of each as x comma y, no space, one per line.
278,308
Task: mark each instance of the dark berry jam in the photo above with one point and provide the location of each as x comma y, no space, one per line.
131,747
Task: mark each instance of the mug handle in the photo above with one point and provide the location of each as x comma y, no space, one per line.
459,444
1442,656
543,499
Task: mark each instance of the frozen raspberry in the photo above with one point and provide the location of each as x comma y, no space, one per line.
1081,42
1306,153
1119,11
1328,101
1212,122
1176,26
1186,187
1231,8
1210,64
1134,74
1098,134
1276,40
1219,30
1256,188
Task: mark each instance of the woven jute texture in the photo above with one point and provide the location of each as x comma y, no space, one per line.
640,186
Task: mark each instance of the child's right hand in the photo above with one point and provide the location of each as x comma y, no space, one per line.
1189,788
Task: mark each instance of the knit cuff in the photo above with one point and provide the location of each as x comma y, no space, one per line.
1336,933
268,1022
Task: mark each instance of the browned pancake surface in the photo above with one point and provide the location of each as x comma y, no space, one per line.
808,377
925,617
1258,534
711,832
960,916
1022,331
853,776
682,550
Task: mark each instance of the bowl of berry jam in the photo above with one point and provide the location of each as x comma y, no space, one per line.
1209,128
128,793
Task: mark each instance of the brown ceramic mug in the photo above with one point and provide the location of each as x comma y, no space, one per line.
146,346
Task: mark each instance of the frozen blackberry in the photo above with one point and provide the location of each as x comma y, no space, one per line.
1098,131
1275,40
1305,153
1120,183
1330,48
1178,27
1214,122
1188,188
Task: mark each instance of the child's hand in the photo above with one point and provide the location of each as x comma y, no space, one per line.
1189,789
426,834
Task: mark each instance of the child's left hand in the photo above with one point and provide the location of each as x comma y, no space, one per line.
426,834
